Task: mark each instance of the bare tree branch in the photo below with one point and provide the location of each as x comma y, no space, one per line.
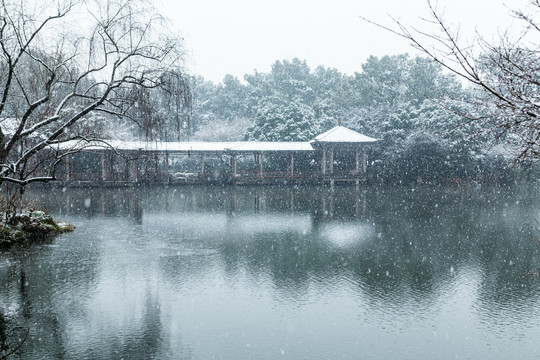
506,74
49,90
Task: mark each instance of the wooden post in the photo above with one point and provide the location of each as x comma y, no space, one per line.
260,165
156,166
138,165
68,169
103,167
292,165
357,162
364,161
126,169
233,166
130,174
331,166
323,161
202,165
110,164
134,167
167,166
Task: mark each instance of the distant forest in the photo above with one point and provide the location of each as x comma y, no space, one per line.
409,103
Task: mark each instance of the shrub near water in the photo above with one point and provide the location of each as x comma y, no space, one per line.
30,225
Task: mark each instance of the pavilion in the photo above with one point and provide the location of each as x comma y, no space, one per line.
338,155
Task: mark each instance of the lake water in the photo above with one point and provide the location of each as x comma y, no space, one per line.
279,273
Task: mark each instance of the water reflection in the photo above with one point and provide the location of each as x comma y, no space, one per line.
280,272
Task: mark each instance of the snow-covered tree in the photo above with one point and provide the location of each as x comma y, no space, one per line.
278,122
291,102
504,73
64,62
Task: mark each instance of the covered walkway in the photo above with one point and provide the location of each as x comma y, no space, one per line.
337,155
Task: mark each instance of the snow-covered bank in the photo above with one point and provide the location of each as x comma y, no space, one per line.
30,226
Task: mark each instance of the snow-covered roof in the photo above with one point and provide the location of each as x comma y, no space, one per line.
195,147
341,134
188,146
175,146
251,146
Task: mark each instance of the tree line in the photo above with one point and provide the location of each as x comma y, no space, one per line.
416,108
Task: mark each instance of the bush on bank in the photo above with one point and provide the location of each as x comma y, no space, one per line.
30,226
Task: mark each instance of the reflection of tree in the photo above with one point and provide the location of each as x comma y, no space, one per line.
47,288
4,347
142,342
421,243
13,335
430,232
422,233
423,240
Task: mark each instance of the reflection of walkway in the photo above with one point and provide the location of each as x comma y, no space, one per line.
215,227
322,202
213,224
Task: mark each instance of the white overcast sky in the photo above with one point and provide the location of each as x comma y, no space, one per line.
239,36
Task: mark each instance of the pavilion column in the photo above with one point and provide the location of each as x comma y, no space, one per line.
331,165
125,177
357,160
323,161
110,168
103,167
364,161
202,165
156,166
260,165
68,168
233,165
106,166
167,166
292,165
134,167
